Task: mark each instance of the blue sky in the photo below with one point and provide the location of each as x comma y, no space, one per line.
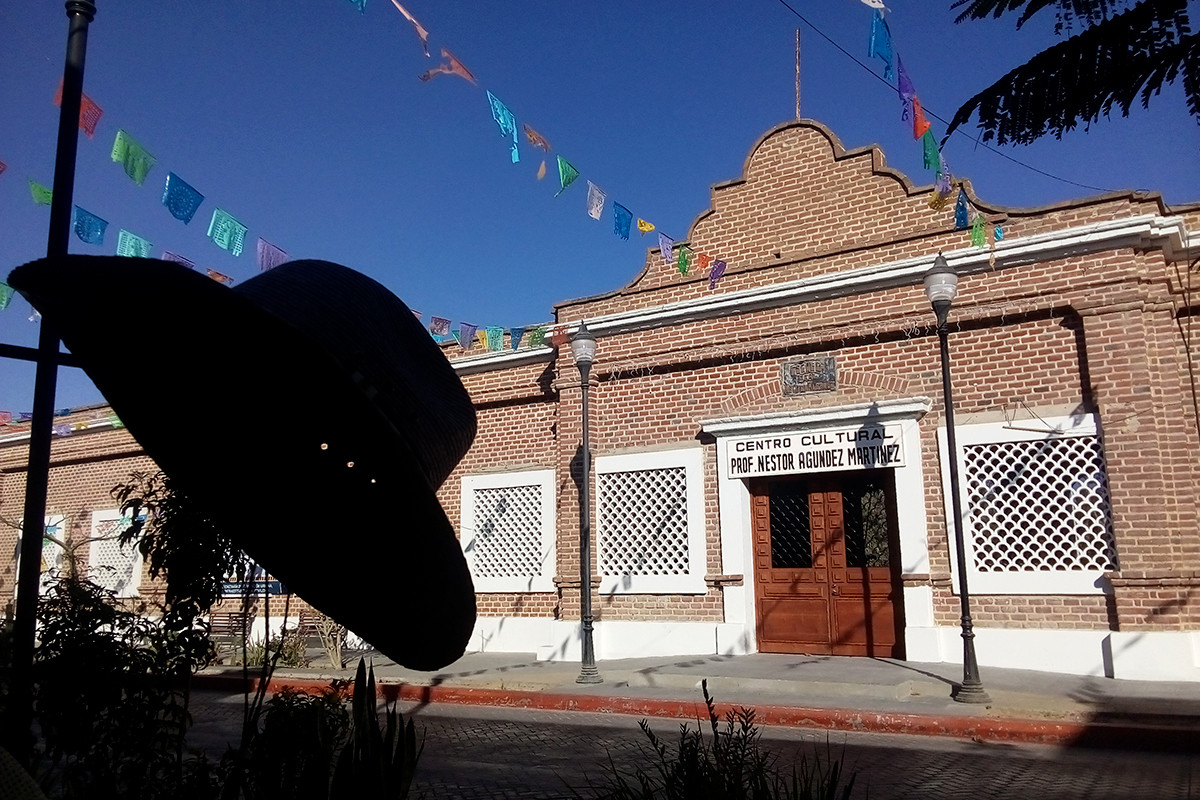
305,120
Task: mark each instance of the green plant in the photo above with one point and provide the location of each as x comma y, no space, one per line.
308,747
729,766
179,541
117,729
375,762
333,638
291,757
6,660
290,645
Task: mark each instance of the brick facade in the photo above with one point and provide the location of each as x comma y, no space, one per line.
1082,312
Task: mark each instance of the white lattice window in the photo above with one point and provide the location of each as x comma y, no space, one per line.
53,556
1036,512
650,522
508,531
116,568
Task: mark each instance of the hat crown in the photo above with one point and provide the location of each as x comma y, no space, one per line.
346,418
384,351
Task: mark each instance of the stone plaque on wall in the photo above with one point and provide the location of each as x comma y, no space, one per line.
811,374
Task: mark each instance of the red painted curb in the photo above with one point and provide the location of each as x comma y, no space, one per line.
979,728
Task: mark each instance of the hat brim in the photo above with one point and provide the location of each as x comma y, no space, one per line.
262,427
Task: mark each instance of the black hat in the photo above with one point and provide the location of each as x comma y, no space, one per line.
307,410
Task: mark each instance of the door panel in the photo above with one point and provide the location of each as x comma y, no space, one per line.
824,578
791,587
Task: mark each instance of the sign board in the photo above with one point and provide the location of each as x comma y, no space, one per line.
259,588
813,374
869,446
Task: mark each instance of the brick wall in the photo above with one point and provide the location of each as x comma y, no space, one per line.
1083,329
1093,332
84,468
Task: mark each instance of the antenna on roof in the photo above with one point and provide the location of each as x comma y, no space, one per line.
797,73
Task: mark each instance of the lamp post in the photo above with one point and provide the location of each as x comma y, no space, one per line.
941,287
80,14
583,347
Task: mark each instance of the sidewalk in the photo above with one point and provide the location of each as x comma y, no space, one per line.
823,692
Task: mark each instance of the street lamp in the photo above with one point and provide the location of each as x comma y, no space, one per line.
19,715
583,347
941,287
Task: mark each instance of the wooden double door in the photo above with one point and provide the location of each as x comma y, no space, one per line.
826,565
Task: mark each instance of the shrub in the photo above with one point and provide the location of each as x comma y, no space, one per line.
310,748
291,646
375,762
117,728
291,757
729,766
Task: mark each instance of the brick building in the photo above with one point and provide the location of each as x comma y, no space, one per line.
770,466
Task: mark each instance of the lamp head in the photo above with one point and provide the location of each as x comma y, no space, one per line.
941,287
583,346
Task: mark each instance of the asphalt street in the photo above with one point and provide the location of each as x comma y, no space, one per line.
487,753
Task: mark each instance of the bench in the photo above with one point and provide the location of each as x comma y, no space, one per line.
229,626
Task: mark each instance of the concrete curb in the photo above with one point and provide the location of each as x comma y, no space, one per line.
976,728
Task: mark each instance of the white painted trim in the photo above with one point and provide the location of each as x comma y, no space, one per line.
1073,582
259,624
1146,231
1136,655
76,428
131,554
507,359
52,572
614,639
1155,655
737,546
544,480
737,551
511,634
692,461
733,501
1133,655
880,411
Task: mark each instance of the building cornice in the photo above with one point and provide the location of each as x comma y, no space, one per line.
1145,232
492,360
880,411
86,426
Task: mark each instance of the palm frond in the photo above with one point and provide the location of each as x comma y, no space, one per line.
1092,11
1080,79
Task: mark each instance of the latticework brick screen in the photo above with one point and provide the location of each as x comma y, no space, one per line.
1039,505
508,536
643,524
111,566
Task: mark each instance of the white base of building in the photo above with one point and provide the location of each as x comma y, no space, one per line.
1135,655
1143,655
258,625
559,640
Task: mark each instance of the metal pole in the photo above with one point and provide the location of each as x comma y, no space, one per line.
80,14
588,673
972,690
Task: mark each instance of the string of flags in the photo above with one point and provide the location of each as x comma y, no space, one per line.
180,198
597,202
682,257
183,201
880,46
491,337
15,421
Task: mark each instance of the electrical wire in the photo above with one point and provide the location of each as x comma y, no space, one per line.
978,142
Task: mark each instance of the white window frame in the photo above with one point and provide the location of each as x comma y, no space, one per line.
542,478
1050,582
54,571
692,461
130,551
